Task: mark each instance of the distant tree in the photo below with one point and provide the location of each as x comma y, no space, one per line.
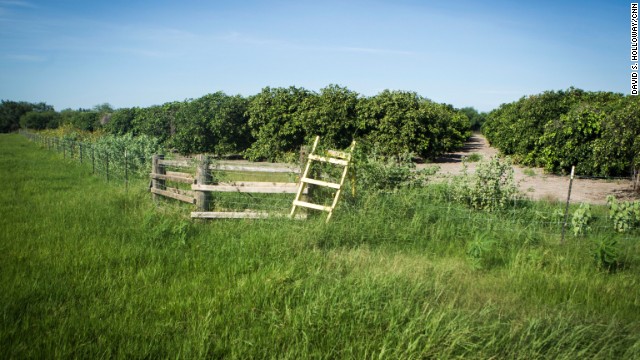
516,128
275,122
38,120
158,121
332,114
215,123
104,108
598,132
12,111
82,119
121,121
404,122
476,119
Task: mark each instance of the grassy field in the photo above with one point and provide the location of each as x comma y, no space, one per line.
91,270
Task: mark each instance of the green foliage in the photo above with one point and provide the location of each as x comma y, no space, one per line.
121,121
375,171
214,124
331,114
517,127
491,188
156,121
581,219
275,122
598,132
12,111
139,150
481,251
38,120
475,157
283,119
84,120
606,252
476,119
404,122
625,215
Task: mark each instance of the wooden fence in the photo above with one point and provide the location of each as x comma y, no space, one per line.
197,173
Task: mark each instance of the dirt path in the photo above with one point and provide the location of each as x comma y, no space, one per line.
535,183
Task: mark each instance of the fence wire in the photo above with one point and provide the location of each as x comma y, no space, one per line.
125,166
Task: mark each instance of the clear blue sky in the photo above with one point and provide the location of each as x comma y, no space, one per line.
74,54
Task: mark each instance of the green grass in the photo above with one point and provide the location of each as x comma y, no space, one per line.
90,270
474,157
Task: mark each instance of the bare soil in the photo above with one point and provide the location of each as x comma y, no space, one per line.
535,183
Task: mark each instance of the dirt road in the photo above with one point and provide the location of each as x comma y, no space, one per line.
534,182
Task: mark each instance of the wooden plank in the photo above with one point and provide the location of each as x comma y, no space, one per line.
311,206
174,195
180,174
249,187
226,166
264,169
180,179
176,163
321,183
339,154
329,160
240,215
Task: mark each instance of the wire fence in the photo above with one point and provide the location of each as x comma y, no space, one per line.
123,165
113,164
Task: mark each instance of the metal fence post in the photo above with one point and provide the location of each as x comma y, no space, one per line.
566,209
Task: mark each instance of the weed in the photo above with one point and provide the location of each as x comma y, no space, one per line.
581,219
491,188
474,157
481,251
606,252
625,215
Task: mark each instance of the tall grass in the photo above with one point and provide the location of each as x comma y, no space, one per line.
90,270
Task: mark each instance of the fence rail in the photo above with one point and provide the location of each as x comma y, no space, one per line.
178,180
197,173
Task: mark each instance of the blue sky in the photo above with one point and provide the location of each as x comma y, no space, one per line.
77,54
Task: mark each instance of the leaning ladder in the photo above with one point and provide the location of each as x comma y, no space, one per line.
339,158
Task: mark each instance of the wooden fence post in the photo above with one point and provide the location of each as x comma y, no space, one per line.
157,169
203,177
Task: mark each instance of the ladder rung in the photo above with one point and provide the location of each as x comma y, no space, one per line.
339,154
311,206
329,160
321,183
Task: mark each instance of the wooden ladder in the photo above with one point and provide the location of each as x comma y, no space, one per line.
339,158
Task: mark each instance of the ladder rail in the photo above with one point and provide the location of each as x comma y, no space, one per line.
304,175
341,158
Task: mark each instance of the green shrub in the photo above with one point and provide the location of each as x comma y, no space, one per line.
606,253
481,251
491,188
581,219
375,171
625,215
